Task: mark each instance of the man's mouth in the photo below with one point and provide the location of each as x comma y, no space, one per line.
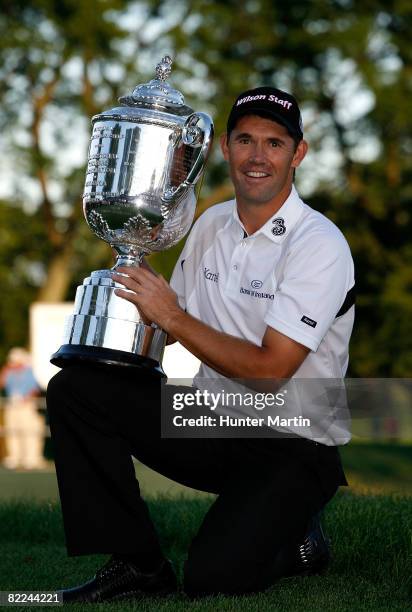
253,174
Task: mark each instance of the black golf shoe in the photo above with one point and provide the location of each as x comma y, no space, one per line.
313,554
120,579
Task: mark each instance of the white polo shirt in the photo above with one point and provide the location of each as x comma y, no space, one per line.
293,275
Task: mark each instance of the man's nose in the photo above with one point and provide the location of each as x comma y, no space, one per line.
257,154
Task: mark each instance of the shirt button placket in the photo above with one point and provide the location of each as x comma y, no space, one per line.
236,265
233,276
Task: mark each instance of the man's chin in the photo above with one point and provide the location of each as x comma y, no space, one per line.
256,199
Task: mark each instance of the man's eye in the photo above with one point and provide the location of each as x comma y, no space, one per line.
274,144
244,140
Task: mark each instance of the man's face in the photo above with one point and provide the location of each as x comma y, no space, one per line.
262,156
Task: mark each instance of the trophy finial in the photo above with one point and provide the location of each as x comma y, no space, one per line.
164,68
158,92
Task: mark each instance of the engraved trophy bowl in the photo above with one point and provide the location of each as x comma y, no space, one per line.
145,162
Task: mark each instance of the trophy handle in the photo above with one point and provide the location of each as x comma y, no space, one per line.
192,135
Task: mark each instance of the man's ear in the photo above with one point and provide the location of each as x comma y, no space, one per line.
224,145
300,153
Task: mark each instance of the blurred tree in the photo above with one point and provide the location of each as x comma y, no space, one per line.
21,240
348,63
56,62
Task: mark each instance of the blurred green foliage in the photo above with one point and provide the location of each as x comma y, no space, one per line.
349,64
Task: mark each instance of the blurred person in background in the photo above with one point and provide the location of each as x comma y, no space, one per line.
23,425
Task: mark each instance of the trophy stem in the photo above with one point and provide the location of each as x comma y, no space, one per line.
131,258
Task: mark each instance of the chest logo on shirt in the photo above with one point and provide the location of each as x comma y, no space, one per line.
211,276
278,228
257,294
256,284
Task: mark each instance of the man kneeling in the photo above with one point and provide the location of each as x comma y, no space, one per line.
263,524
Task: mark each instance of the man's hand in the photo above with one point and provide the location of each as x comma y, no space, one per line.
152,295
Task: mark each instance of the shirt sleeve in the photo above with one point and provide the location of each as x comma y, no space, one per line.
316,279
177,280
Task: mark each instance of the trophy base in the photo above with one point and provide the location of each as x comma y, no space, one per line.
69,354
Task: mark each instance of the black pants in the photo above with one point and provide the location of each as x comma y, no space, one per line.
267,488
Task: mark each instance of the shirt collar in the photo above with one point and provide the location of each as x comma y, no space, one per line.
278,227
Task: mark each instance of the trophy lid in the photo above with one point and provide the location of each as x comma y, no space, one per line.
157,93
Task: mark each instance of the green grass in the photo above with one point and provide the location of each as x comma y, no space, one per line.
42,485
371,570
370,467
370,528
378,467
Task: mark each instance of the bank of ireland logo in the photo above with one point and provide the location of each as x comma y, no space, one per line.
278,226
256,284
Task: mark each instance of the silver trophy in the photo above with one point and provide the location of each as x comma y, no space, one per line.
145,161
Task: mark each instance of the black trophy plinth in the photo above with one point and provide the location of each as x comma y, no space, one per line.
69,354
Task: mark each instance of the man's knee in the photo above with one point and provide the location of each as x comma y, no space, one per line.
56,388
66,383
